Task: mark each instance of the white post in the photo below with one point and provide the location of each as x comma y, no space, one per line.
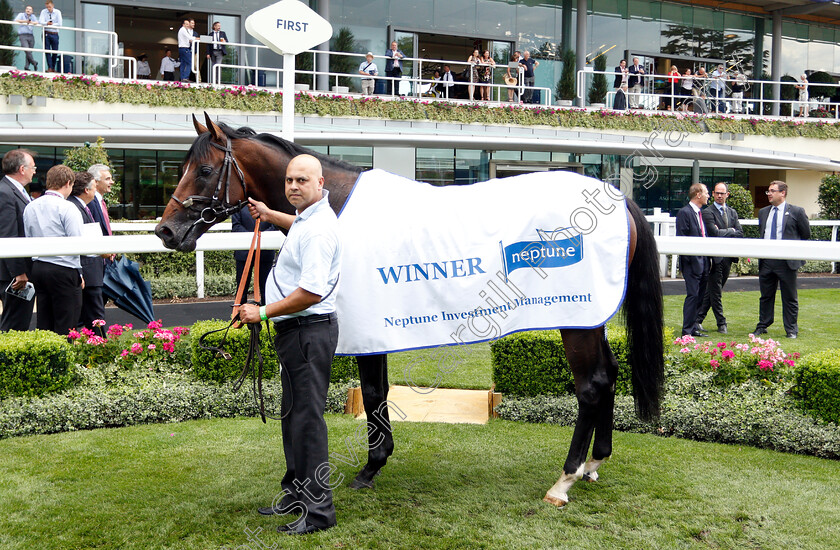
199,273
288,97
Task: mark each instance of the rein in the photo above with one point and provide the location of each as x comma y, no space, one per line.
218,210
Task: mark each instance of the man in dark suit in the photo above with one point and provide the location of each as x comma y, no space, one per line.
780,220
724,220
243,222
635,83
217,51
19,168
695,269
93,266
393,66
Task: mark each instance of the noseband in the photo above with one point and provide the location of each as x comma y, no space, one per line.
217,210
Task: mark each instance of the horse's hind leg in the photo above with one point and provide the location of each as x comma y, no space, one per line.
595,371
373,374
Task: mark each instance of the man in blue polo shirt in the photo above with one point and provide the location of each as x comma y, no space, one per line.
27,40
300,299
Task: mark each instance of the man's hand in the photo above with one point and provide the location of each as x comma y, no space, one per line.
257,209
20,281
249,313
83,283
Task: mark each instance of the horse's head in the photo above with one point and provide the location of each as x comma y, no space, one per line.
212,187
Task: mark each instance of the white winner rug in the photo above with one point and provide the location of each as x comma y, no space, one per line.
427,266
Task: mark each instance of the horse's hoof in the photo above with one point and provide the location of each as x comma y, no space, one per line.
357,484
556,501
591,477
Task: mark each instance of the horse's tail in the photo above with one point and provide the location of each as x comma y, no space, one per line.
643,313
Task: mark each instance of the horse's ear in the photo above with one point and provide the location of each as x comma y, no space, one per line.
214,129
199,127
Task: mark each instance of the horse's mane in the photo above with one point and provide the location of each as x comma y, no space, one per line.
201,147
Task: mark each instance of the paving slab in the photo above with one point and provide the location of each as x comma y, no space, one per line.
439,405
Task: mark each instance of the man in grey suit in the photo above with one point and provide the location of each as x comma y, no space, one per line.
93,266
19,168
695,269
780,220
724,220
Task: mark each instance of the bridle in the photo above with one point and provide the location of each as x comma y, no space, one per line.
217,210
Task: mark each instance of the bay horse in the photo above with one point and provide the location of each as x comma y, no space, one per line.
225,166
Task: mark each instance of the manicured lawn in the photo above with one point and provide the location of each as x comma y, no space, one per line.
819,328
197,484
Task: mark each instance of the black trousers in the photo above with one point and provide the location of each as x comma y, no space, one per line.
59,295
396,72
695,288
773,274
306,354
93,308
17,313
718,275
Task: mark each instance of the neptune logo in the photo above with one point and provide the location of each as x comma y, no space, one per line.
550,251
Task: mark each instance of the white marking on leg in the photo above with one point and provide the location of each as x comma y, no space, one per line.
589,469
558,494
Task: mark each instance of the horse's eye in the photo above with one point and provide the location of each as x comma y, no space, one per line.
205,171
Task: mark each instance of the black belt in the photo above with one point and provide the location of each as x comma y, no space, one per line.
294,322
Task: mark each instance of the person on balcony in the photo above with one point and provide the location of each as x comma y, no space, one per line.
26,19
530,64
802,86
217,51
185,40
393,66
167,66
369,69
51,18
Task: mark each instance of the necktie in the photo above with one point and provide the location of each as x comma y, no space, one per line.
105,215
700,221
773,226
26,197
725,217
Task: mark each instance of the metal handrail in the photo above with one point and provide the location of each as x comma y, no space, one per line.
580,85
417,82
113,42
132,62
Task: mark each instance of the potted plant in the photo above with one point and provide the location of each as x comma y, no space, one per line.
565,91
598,89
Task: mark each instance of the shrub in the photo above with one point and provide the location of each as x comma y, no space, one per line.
829,197
208,365
344,368
34,363
817,384
598,90
534,363
741,200
81,158
565,88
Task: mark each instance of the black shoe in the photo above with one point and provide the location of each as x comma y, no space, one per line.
36,66
698,334
791,335
700,327
722,329
759,331
287,506
300,528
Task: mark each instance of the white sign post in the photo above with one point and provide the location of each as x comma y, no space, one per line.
288,28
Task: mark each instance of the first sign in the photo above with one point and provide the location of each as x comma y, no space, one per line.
288,27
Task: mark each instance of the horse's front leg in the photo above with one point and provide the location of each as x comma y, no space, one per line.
595,370
373,374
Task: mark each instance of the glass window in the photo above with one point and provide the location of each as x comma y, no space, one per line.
411,14
539,156
435,166
358,156
494,17
708,33
821,49
507,155
738,42
455,17
470,166
677,35
643,29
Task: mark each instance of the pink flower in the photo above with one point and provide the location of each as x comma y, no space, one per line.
181,330
148,86
124,353
155,324
115,330
87,332
765,365
96,340
140,334
151,346
73,334
685,350
727,354
98,322
721,345
169,346
714,363
128,326
136,348
789,362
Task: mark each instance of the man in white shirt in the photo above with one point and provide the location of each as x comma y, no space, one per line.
167,66
185,40
58,278
300,298
51,18
368,68
216,52
447,81
19,169
718,87
27,39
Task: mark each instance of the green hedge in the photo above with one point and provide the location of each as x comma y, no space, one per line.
34,363
751,414
183,286
534,363
817,384
138,396
209,366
